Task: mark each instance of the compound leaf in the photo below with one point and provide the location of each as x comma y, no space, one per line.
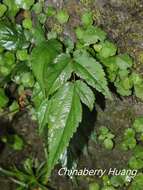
64,116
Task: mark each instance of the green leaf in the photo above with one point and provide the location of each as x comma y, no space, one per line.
138,125
58,73
42,113
87,19
24,4
139,91
64,116
123,86
37,95
85,93
108,144
3,98
12,7
138,85
123,61
138,182
91,71
91,35
11,37
3,9
41,57
94,186
38,33
108,49
135,163
62,16
18,143
117,181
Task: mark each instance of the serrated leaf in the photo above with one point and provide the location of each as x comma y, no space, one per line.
139,90
42,113
41,57
58,73
91,71
91,35
123,86
85,93
65,113
11,37
108,49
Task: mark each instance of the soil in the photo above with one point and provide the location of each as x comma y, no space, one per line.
123,21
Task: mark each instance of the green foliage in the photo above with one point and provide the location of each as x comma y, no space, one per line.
27,23
41,56
11,36
117,181
91,35
85,93
13,141
138,85
22,55
3,9
105,49
12,7
129,140
91,71
3,98
108,188
24,4
37,7
94,186
31,176
136,161
62,16
137,182
87,19
138,125
106,137
64,116
61,74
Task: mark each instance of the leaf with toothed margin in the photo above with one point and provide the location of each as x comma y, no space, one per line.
87,68
58,73
41,57
85,93
64,116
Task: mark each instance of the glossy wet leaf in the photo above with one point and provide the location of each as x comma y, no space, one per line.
11,37
41,57
91,71
65,113
58,73
85,93
42,114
